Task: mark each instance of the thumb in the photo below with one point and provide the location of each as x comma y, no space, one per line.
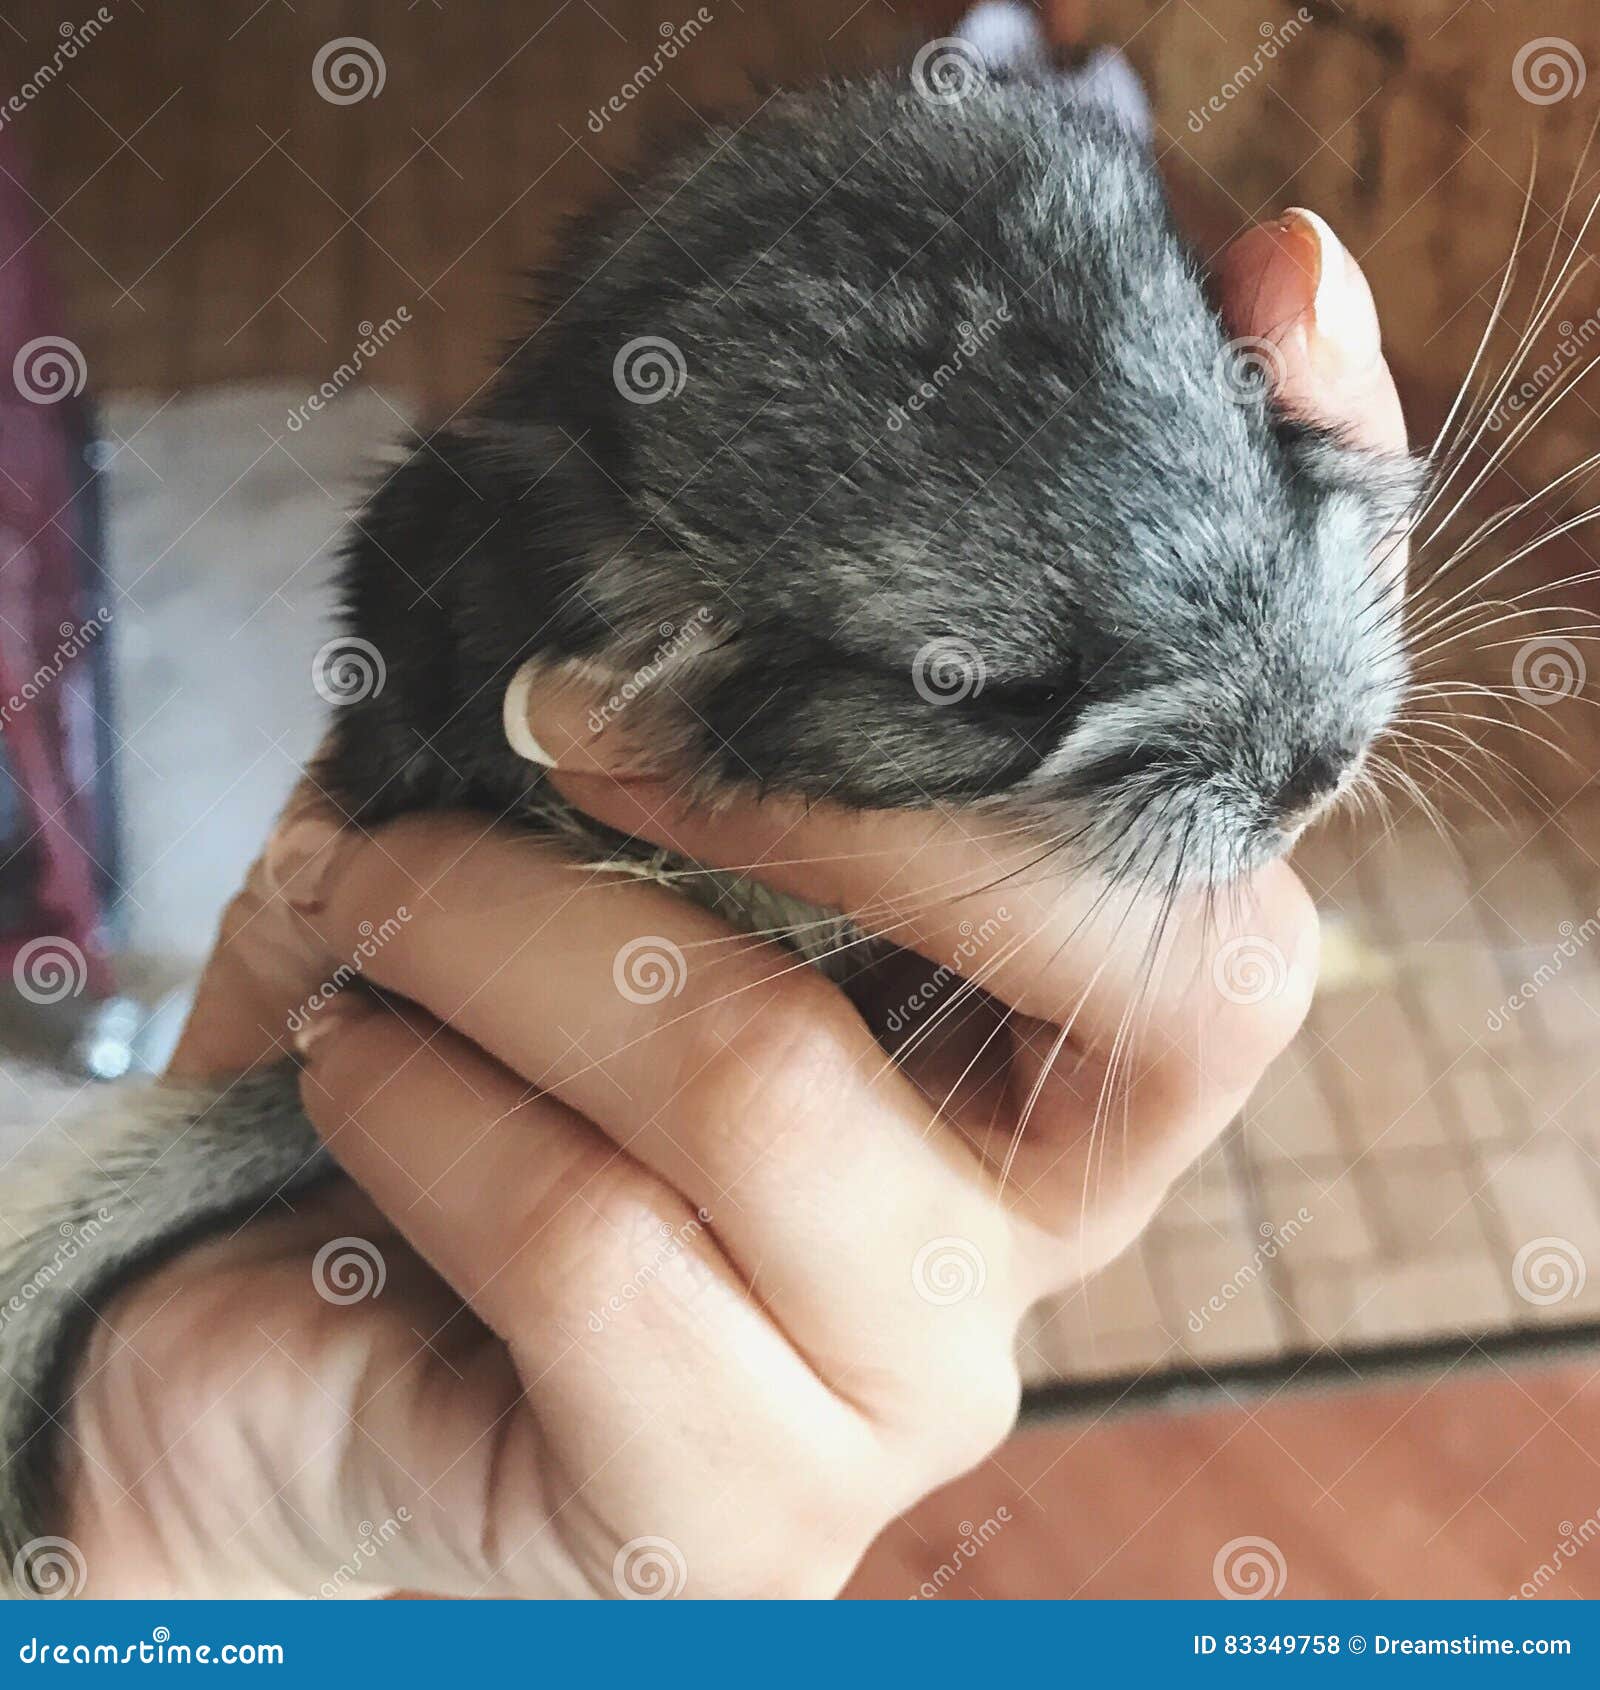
1292,284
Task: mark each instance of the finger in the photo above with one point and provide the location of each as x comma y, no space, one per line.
732,1072
1293,283
434,1130
975,895
262,964
618,1298
657,1383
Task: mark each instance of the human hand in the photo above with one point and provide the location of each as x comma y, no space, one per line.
694,1285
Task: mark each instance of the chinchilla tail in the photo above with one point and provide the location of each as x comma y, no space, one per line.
147,1169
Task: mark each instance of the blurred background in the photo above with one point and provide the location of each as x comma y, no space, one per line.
246,248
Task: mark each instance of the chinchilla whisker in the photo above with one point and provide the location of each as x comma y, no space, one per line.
1458,632
1477,422
1371,791
1482,615
1486,530
1510,725
1580,633
1430,753
1407,783
1117,1083
1538,414
943,1012
1507,276
1526,550
1432,620
1447,644
1444,722
1470,756
1497,520
1063,1035
1546,291
1025,1115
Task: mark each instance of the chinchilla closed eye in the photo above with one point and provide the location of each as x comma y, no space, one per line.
897,413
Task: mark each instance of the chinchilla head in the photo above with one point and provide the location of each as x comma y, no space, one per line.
884,448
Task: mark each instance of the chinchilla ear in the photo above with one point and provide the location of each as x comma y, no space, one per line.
1008,36
493,524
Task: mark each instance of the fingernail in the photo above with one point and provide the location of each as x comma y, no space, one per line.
514,716
576,713
1345,339
299,859
347,1008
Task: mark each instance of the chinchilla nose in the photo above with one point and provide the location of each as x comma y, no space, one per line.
1315,776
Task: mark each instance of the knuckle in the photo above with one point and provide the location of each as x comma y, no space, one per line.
380,871
631,1256
993,1408
758,1057
1295,928
1262,976
982,1404
355,1056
